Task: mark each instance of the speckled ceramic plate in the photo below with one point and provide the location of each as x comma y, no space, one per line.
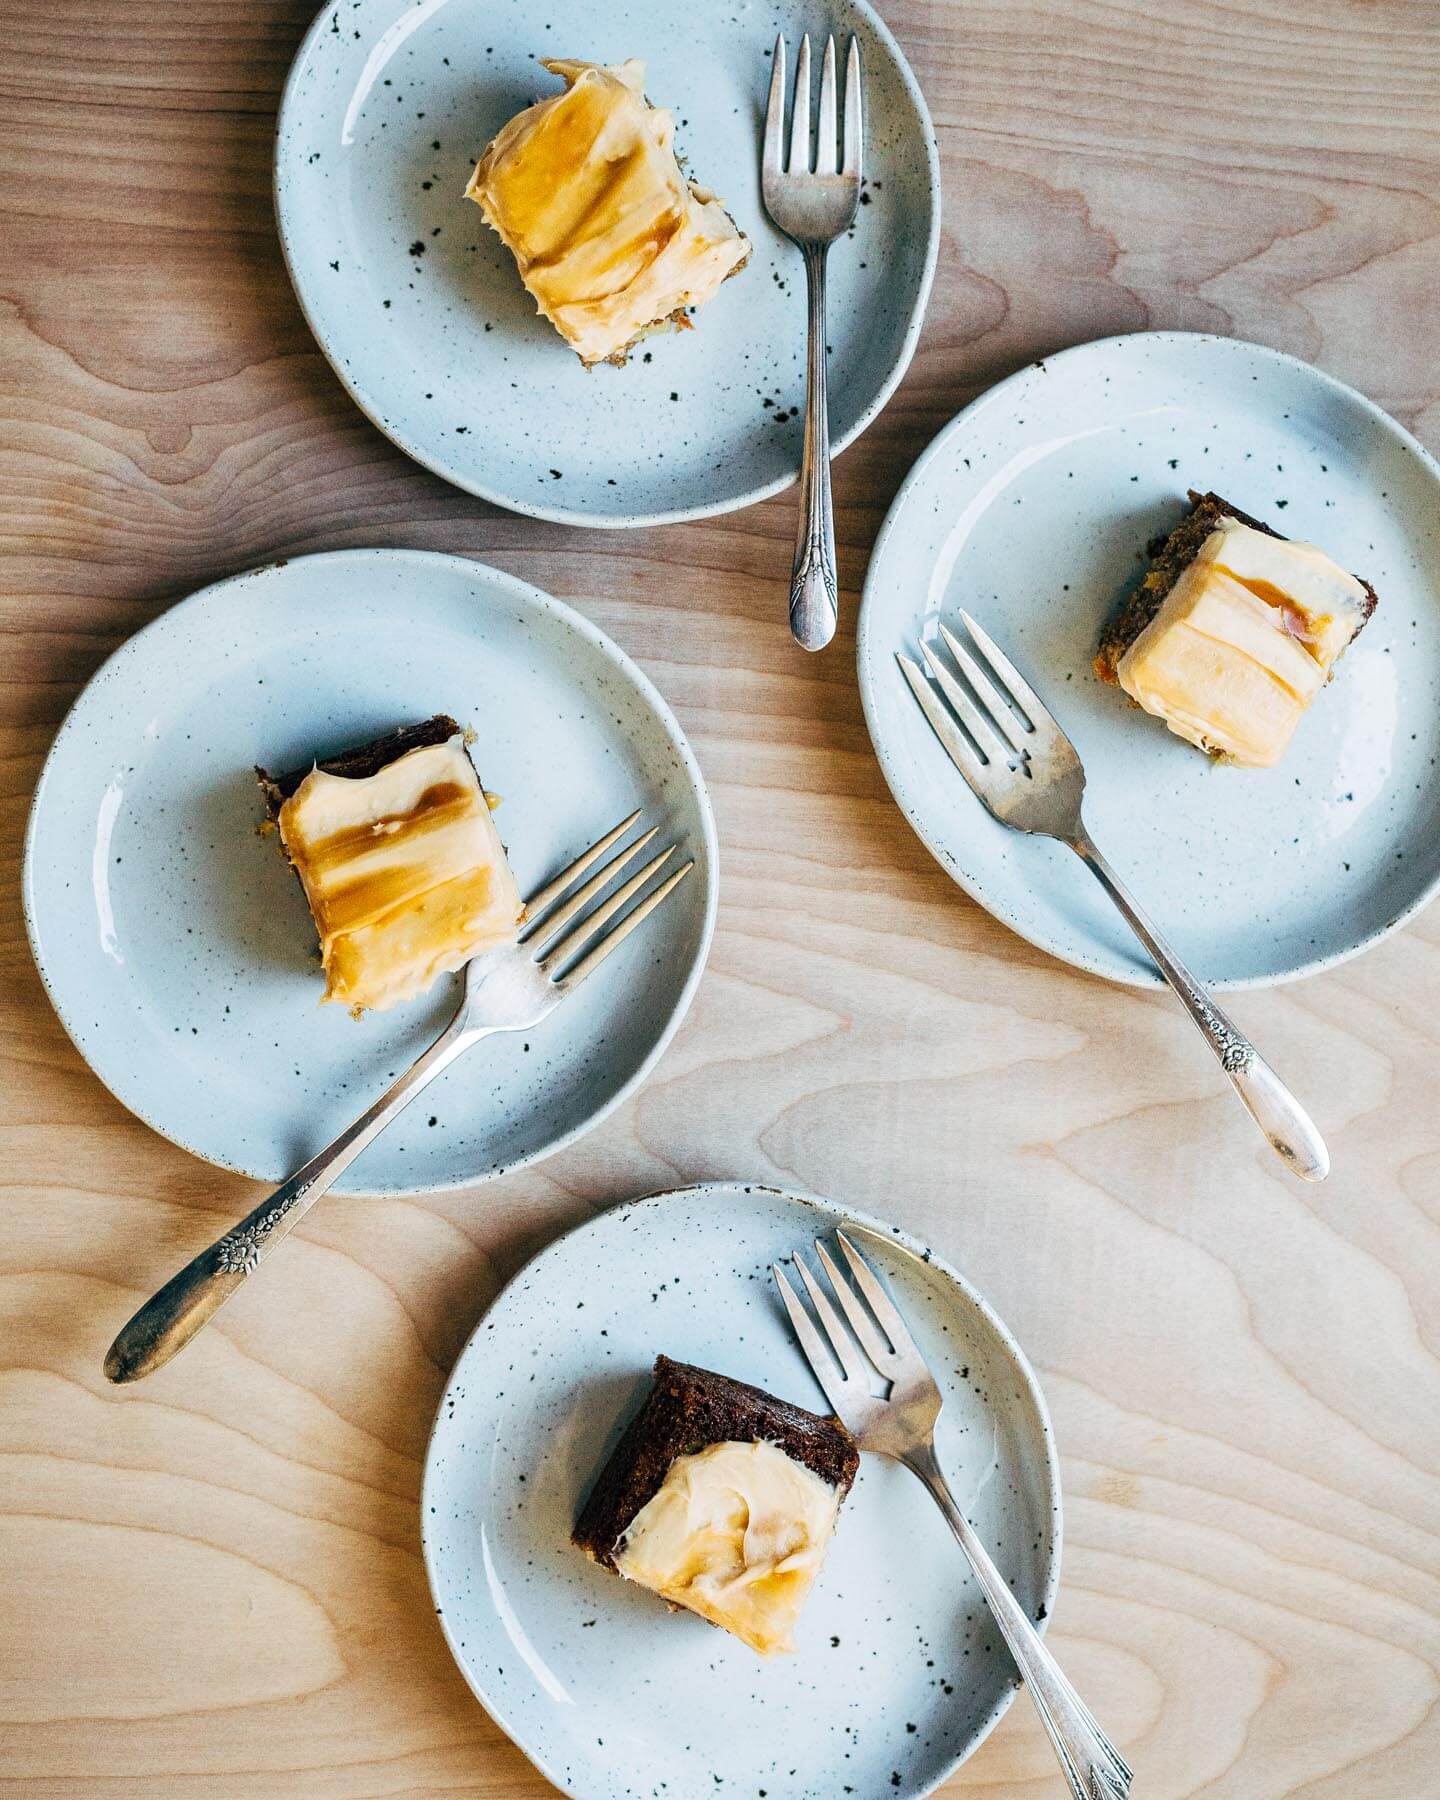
899,1671
1032,510
419,307
176,944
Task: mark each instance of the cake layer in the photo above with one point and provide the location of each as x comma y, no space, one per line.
737,1533
404,872
585,190
359,760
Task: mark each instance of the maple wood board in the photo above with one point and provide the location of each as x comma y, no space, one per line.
210,1584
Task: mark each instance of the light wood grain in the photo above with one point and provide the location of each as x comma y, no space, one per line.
211,1585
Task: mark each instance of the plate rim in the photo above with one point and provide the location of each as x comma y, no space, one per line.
890,1233
571,515
1135,975
525,594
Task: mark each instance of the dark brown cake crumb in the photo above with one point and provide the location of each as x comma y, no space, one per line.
361,761
687,1410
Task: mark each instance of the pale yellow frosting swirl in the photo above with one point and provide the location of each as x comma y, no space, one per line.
737,1533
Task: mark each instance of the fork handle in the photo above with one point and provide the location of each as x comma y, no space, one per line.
167,1321
814,591
1286,1124
1092,1765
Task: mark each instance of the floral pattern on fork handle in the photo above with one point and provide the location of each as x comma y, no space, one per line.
239,1251
1277,1112
814,589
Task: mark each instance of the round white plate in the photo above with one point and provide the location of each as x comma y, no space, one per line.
176,943
899,1671
1032,510
420,309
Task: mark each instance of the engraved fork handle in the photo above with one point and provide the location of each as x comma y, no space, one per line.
167,1321
1272,1106
814,592
1093,1767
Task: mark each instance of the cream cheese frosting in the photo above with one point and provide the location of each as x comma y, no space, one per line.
404,871
1243,642
586,192
737,1533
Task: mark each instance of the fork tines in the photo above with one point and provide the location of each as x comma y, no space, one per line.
831,157
568,955
877,1334
999,709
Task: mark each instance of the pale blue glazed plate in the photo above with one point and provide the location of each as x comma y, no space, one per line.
419,307
176,944
1032,510
899,1671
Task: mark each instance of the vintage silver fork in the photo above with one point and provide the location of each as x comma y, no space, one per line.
813,207
1027,774
902,1427
509,989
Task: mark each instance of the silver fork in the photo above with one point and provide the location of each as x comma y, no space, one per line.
1027,774
902,1427
813,207
509,989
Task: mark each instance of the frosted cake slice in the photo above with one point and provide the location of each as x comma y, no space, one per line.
610,238
1233,632
397,851
722,1500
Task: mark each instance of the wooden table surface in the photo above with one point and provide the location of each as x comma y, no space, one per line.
211,1584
